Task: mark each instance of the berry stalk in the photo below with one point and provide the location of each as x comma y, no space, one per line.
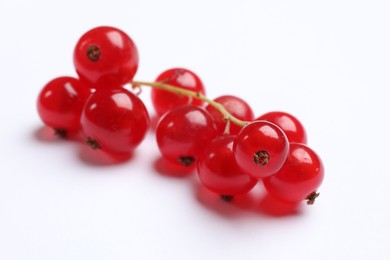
193,94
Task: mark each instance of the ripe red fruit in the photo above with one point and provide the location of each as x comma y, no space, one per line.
218,170
291,126
60,104
299,178
261,148
114,120
105,56
236,107
184,132
164,101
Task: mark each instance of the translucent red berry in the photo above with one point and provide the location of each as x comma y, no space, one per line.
291,126
236,107
114,120
261,148
299,178
218,170
184,132
164,101
60,104
105,57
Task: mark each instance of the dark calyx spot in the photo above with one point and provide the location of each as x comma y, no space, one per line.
93,143
61,132
261,158
93,53
312,198
227,198
186,160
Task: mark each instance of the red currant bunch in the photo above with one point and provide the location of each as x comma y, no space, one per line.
221,139
97,105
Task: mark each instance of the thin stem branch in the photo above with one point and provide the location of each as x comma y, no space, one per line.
193,94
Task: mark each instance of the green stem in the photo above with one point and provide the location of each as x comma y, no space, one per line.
193,94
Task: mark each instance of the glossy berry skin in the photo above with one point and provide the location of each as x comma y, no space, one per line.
164,101
114,120
60,103
236,107
184,132
105,57
261,148
291,126
300,176
218,170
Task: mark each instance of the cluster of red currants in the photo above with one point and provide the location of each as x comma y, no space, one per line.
230,148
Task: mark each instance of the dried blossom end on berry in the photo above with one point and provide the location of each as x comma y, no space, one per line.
227,198
186,160
312,198
93,53
261,158
62,133
93,143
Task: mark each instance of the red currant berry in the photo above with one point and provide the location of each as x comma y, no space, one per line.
60,104
299,178
236,107
218,170
261,148
105,56
291,126
184,132
114,120
164,101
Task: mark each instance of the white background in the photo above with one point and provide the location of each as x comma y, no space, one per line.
327,62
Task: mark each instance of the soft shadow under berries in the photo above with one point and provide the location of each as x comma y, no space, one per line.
100,158
49,135
237,207
255,202
170,169
268,205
